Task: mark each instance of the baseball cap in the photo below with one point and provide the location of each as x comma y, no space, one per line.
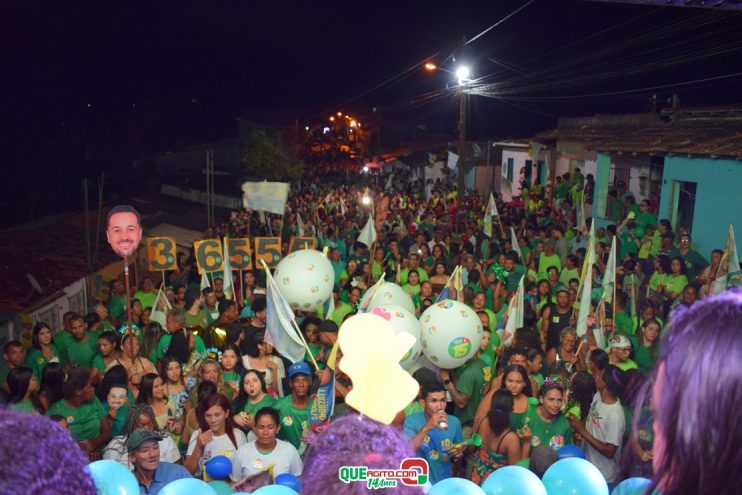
561,288
619,341
299,367
139,437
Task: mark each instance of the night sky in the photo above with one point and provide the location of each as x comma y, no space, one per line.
89,86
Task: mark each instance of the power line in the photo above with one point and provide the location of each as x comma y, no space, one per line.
500,22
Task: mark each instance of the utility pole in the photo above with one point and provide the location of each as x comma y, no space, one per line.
87,224
462,130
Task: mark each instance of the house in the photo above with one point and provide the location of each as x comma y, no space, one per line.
687,161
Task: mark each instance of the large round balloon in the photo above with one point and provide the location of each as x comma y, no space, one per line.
456,486
275,490
403,321
570,450
289,480
632,486
219,467
574,476
513,480
187,486
112,478
452,333
387,294
305,278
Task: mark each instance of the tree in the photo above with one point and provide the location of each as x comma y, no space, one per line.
267,159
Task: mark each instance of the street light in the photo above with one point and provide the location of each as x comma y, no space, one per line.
366,200
430,66
463,73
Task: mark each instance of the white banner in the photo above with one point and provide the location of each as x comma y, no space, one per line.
265,196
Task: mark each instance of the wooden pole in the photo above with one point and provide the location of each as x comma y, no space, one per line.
128,292
163,277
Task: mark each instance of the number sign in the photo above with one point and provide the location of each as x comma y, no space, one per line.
161,254
240,254
209,255
298,243
267,249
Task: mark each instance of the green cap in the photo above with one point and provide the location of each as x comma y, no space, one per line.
139,437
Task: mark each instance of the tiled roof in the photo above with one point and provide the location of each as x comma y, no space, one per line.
714,132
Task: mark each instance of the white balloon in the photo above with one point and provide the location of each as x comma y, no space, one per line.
305,278
390,293
452,333
402,321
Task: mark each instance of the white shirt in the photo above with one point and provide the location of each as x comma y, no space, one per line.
116,451
606,423
248,461
219,445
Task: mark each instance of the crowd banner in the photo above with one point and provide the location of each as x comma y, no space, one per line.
265,196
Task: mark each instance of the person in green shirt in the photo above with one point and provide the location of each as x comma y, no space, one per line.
676,280
147,294
620,350
22,389
546,422
117,301
693,260
84,346
570,270
175,320
548,259
253,396
342,308
43,350
294,408
645,218
412,265
469,388
87,420
646,345
623,321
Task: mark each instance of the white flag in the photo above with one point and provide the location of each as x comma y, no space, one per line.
515,315
204,281
587,284
228,280
388,184
580,213
514,242
453,159
299,225
609,277
489,214
728,274
368,234
160,308
280,330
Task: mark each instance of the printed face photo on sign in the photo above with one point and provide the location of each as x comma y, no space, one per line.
124,232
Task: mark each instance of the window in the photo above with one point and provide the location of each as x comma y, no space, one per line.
682,204
511,166
528,170
50,317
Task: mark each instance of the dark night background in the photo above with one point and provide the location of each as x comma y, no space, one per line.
89,86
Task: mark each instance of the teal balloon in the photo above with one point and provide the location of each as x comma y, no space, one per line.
275,490
455,486
187,486
513,480
221,487
570,450
632,486
574,476
112,478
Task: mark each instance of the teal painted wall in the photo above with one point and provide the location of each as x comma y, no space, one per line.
718,197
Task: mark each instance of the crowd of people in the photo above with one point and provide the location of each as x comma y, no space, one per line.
164,399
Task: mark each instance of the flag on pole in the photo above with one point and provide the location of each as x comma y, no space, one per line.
228,279
514,242
204,281
446,292
388,184
580,214
279,331
609,277
368,233
299,225
369,294
160,308
515,314
587,284
729,274
453,160
343,208
323,403
489,214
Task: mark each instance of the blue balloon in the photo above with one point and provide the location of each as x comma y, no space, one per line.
456,486
288,479
187,486
632,486
219,467
574,476
513,480
275,490
112,478
570,450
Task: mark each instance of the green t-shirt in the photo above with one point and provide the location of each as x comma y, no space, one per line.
412,408
266,401
62,339
645,219
544,262
146,298
117,426
623,323
627,365
164,343
642,355
694,262
513,277
403,274
24,406
568,275
117,306
656,280
675,283
36,361
200,319
294,421
82,353
471,383
84,421
556,434
340,311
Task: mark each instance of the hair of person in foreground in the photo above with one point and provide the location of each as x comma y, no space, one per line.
696,391
53,464
353,440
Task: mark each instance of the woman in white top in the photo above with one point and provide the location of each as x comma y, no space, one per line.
259,356
216,435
